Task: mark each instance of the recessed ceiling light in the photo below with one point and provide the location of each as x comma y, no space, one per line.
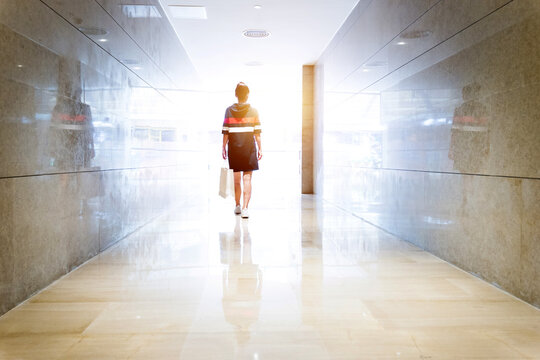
137,68
365,70
19,66
402,43
103,40
188,12
257,34
258,7
140,11
90,31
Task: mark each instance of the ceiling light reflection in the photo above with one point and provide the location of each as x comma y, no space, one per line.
90,31
415,34
140,11
431,122
437,221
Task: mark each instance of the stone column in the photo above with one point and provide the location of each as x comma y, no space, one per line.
307,129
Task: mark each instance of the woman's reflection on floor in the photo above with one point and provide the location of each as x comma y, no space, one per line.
242,281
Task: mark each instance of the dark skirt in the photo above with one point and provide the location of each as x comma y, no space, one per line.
242,160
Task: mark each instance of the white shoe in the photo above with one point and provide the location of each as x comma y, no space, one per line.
245,213
238,210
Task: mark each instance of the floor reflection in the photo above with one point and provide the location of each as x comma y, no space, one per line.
242,281
190,286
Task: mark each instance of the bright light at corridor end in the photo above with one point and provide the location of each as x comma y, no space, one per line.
275,91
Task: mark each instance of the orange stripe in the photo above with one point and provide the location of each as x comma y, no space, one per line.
75,118
467,119
239,120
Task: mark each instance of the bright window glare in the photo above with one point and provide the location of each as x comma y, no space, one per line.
277,98
182,122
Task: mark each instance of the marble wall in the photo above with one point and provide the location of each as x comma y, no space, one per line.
90,148
428,126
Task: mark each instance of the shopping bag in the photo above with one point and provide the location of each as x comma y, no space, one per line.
226,182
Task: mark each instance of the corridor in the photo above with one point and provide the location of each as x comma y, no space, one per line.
395,151
301,279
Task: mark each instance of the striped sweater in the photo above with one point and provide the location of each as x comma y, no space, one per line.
241,123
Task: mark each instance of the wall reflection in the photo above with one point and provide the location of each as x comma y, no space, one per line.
71,132
470,130
75,174
457,115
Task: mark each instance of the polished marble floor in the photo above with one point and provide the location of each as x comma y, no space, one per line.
300,279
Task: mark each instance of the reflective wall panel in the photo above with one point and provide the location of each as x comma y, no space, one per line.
429,128
90,148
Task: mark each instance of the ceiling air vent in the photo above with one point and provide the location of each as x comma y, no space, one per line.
256,34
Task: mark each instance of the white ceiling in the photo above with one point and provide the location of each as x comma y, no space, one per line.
300,31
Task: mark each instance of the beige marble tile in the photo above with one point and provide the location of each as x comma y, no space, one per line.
51,346
242,301
50,318
167,346
529,288
36,253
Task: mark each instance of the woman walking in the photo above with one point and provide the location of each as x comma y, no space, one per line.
241,129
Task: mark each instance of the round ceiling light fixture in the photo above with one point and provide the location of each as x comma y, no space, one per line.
256,33
415,34
90,31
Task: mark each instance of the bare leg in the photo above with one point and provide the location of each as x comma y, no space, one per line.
247,188
237,187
